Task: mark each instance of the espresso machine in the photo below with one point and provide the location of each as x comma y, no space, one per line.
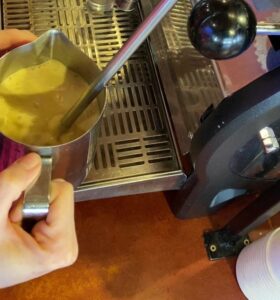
169,125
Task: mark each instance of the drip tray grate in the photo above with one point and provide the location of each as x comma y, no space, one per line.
135,139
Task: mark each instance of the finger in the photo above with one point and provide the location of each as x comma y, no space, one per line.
61,212
57,234
15,214
62,203
15,179
11,38
57,188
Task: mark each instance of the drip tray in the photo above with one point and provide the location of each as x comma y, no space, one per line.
135,151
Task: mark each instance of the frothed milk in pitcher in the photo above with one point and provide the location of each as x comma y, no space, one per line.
34,99
39,83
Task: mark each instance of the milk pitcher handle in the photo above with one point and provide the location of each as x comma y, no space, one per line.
37,197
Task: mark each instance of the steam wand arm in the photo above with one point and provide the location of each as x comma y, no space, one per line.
132,44
264,28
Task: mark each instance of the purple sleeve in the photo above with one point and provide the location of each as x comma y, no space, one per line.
9,152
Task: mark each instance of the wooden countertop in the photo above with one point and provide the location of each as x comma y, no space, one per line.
134,248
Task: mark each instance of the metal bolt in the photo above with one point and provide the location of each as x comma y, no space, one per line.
246,242
213,248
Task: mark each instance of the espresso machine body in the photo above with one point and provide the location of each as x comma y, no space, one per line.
169,125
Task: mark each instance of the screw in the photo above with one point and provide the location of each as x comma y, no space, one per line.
213,248
246,242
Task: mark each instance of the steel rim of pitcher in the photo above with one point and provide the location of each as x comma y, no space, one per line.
102,111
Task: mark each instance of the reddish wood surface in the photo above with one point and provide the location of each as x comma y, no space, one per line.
134,248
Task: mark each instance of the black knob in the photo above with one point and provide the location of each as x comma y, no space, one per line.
222,29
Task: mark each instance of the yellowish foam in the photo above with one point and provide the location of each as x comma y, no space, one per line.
33,101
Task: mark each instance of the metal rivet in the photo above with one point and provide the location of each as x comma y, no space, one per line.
246,242
213,248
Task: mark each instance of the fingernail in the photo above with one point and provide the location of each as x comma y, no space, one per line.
30,161
59,180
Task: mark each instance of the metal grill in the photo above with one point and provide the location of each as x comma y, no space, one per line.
175,27
198,87
134,138
191,83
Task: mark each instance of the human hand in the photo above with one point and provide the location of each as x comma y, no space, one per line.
52,243
12,38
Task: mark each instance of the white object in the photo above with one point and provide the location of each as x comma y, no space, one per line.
258,268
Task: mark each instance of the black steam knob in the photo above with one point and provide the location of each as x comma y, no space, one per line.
222,29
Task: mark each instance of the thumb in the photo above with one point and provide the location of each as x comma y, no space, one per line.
15,179
10,38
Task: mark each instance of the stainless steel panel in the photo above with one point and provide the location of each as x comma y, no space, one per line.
131,185
188,79
135,139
